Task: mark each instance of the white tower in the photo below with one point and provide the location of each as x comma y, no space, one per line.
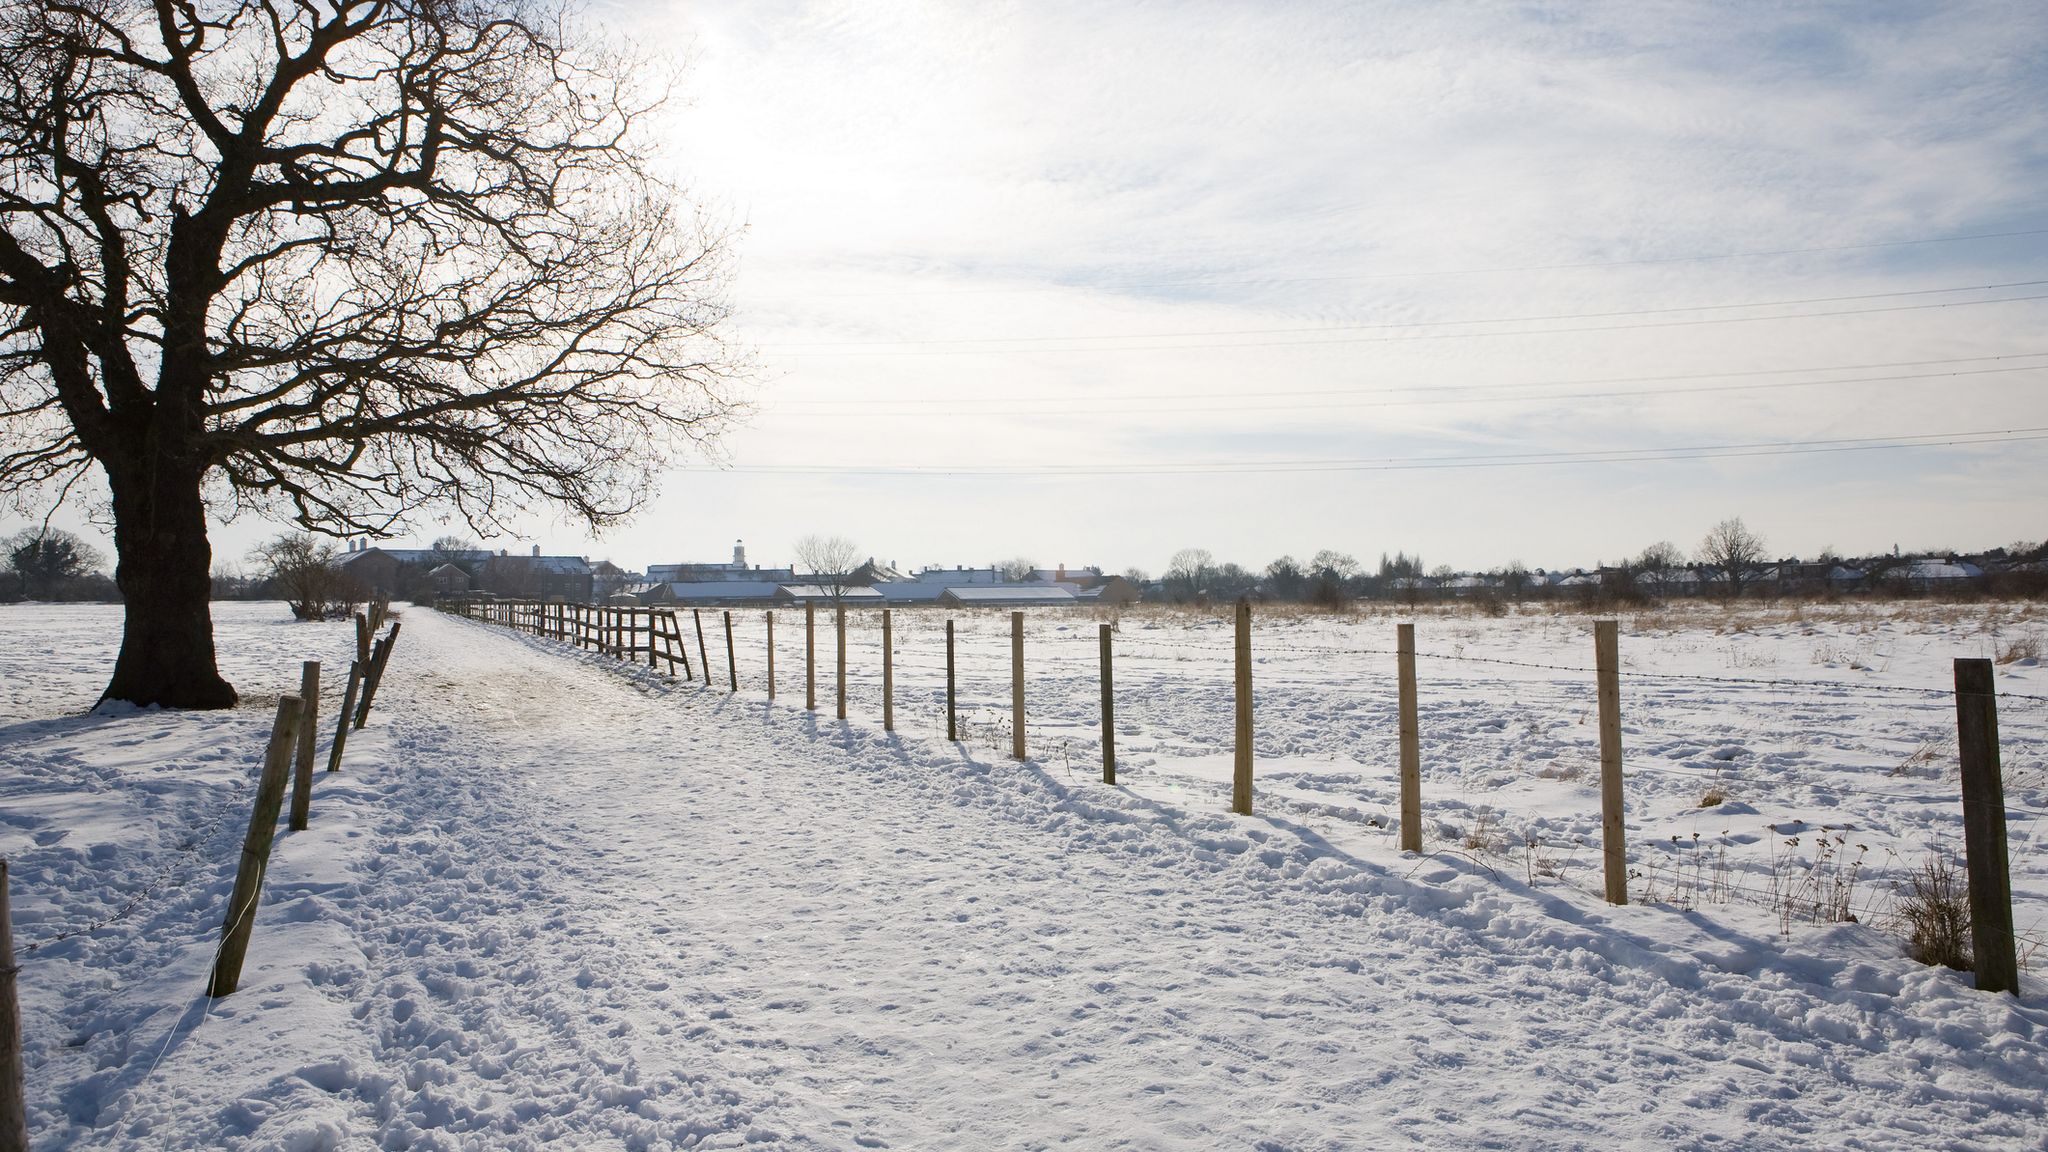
739,554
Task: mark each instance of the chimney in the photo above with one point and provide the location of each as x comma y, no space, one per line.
536,551
1062,573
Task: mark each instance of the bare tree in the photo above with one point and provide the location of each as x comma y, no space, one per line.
1190,568
458,550
830,562
1016,568
334,262
1652,570
302,572
1732,550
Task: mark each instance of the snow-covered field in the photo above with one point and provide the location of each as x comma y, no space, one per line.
555,901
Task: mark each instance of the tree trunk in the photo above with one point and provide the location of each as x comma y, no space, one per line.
164,567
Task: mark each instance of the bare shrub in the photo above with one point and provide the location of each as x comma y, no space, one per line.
1932,912
2019,648
302,572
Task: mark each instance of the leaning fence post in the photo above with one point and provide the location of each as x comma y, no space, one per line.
1241,777
363,639
241,917
13,1090
1411,741
732,668
302,771
1607,672
348,707
703,654
1108,714
952,725
771,653
1017,685
376,673
839,626
1991,935
888,676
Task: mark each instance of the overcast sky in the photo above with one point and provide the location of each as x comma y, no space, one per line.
1090,283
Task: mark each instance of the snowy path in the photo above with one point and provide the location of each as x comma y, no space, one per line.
585,908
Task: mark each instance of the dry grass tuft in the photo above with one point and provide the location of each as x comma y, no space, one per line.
1933,913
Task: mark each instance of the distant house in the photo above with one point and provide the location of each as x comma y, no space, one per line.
448,580
958,575
1467,585
538,577
724,593
1007,596
871,573
1931,575
389,572
375,569
1669,582
1110,590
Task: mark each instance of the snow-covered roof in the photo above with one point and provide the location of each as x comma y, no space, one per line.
1013,594
1939,570
688,591
910,591
823,592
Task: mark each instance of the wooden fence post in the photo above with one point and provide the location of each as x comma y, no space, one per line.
888,675
348,707
13,1089
839,624
952,724
810,656
1017,685
363,639
1411,741
1108,714
1991,935
650,633
703,654
732,667
1607,674
241,917
375,676
771,653
1241,777
302,770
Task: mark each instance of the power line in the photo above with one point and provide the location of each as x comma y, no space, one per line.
909,347
1201,282
1398,463
904,407
1436,388
1435,323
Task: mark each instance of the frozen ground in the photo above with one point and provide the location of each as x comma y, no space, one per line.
554,902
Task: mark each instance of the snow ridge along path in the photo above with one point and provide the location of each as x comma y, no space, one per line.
554,901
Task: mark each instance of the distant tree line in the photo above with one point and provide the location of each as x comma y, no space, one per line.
1731,562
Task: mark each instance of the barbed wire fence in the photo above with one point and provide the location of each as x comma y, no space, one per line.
1726,748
